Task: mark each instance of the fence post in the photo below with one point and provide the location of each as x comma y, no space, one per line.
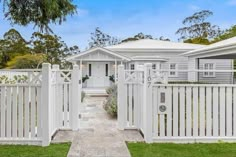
76,97
120,97
45,106
147,103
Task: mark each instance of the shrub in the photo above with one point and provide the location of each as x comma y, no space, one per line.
111,102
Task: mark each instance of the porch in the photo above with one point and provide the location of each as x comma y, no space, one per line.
98,67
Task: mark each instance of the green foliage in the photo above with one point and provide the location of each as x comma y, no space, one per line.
228,33
54,150
111,102
85,78
143,36
112,78
101,39
12,44
28,61
39,12
182,150
197,30
16,79
199,40
16,52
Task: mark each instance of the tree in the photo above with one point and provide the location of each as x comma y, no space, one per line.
197,29
39,12
28,61
11,45
101,39
50,45
226,34
137,37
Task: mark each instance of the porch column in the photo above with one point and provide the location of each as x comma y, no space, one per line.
192,66
115,71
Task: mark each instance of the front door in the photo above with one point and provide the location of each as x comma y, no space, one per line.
98,74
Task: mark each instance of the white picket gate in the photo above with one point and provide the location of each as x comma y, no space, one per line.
33,110
180,113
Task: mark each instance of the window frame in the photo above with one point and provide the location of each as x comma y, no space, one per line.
89,69
132,64
207,74
176,68
106,70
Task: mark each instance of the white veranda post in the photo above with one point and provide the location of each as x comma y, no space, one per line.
115,71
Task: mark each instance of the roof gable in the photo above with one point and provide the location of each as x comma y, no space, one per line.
93,50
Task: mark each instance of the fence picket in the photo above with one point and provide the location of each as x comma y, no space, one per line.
215,112
162,119
155,114
27,102
14,112
189,112
32,111
3,112
130,105
229,112
169,111
9,120
136,115
20,108
175,111
222,111
39,127
182,111
195,111
202,111
208,112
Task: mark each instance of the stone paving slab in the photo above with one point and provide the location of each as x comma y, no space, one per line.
99,136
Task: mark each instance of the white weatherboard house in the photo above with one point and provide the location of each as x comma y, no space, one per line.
101,63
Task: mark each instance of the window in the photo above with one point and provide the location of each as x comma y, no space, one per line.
132,67
90,69
106,70
173,66
209,66
154,66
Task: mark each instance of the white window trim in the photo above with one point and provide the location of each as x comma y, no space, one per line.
176,72
209,76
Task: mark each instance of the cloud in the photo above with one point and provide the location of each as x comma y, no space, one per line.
232,2
194,7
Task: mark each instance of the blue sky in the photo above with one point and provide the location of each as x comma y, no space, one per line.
124,18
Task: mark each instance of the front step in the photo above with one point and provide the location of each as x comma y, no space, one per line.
95,91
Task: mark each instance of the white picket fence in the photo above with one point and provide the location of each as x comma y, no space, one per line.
180,113
32,111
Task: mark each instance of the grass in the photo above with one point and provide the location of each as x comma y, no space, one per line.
182,150
54,150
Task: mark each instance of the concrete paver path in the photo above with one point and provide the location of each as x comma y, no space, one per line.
99,136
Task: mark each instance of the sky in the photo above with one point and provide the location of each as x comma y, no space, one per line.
125,18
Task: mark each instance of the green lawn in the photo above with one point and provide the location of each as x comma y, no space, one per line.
54,150
182,150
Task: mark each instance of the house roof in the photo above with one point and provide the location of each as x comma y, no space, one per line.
215,49
154,44
72,58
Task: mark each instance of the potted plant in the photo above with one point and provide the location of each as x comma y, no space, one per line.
112,78
84,80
